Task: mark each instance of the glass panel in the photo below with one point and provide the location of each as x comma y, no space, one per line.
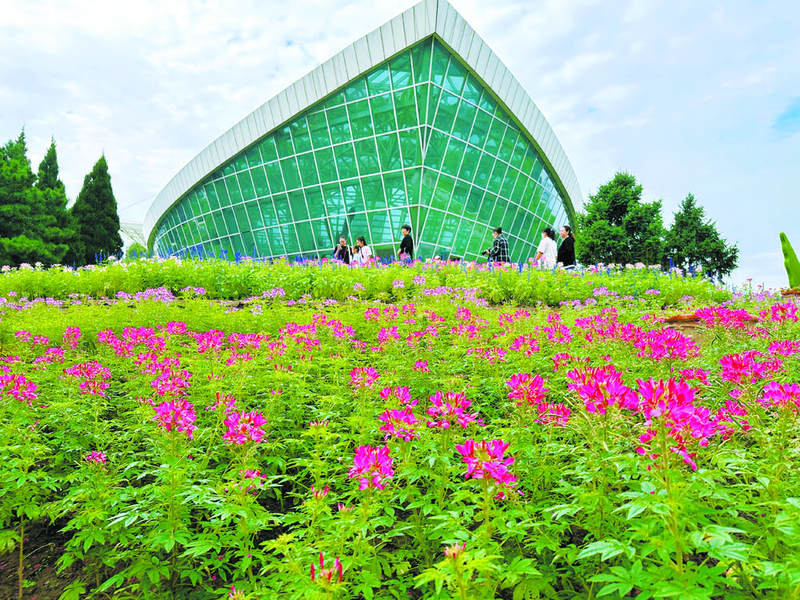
346,161
372,188
487,206
268,212
379,81
441,195
211,194
316,207
394,189
383,113
496,132
480,129
412,177
360,119
319,130
241,218
290,173
487,102
421,57
322,235
275,178
289,239
275,241
335,100
300,136
405,108
305,236
308,170
498,211
230,220
380,227
452,158
219,223
471,157
267,147
484,170
439,65
400,217
338,125
298,203
262,244
496,180
507,146
253,156
327,168
432,226
473,203
283,141
389,151
260,180
507,185
246,185
353,201
446,112
222,193
421,92
358,226
463,124
456,76
281,202
254,214
459,197
472,90
233,189
367,155
333,199
409,143
448,230
356,90
436,148
400,68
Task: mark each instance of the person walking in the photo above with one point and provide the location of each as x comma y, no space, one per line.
566,251
364,252
406,251
499,250
546,252
342,251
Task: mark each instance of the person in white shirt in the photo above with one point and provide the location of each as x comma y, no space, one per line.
364,252
546,252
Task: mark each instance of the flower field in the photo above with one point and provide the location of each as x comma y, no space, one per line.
430,431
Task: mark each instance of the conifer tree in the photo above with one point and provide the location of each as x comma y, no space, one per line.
59,227
96,219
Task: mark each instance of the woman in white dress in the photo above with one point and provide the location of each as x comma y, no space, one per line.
546,252
364,252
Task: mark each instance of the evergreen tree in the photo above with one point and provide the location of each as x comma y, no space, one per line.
618,227
96,218
693,240
24,219
59,227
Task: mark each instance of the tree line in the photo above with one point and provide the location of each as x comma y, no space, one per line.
617,227
36,224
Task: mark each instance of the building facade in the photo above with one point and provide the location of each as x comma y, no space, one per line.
419,136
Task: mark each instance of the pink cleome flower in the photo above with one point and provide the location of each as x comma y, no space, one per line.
422,366
527,389
450,409
601,388
780,395
99,458
177,414
487,460
399,423
363,377
372,467
243,427
402,393
325,575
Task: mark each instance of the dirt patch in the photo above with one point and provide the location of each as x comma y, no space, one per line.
44,544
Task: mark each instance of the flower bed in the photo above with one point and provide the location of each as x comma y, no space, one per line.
426,446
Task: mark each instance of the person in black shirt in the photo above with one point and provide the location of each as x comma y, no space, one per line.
342,251
406,251
566,252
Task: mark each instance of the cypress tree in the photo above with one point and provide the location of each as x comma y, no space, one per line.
96,218
24,220
59,228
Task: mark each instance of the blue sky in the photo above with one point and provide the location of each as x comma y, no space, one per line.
699,97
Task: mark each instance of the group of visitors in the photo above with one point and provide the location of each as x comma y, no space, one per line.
361,253
548,254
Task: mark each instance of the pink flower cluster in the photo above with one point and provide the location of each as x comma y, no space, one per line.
601,388
363,377
451,408
72,337
243,427
327,574
99,458
743,368
176,414
487,460
372,467
399,423
17,386
781,395
94,377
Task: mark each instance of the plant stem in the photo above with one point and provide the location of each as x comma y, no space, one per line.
20,567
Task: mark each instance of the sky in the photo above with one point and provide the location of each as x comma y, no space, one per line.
690,97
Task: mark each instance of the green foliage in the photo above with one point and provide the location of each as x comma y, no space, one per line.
694,240
171,517
790,262
33,220
96,219
135,251
617,227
